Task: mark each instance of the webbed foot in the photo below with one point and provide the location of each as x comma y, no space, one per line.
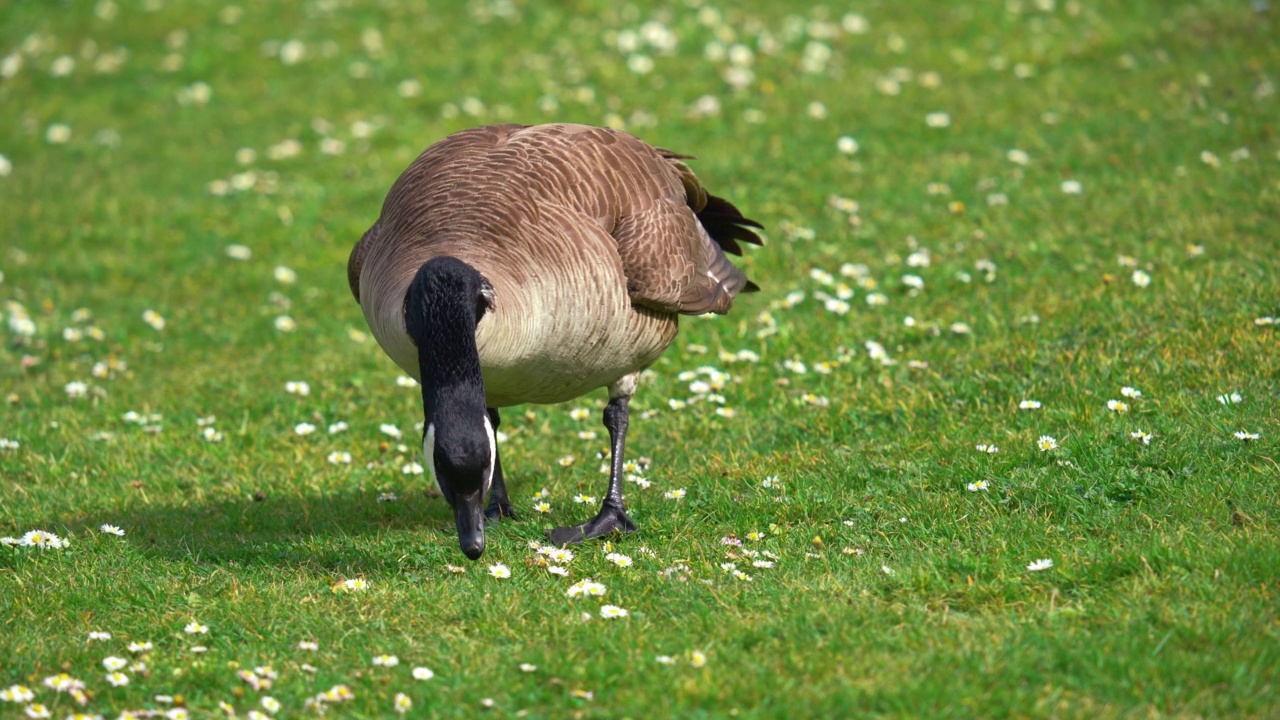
497,510
608,521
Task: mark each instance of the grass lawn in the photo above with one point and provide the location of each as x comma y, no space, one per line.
1015,224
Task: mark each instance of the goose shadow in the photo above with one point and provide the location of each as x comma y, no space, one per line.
344,533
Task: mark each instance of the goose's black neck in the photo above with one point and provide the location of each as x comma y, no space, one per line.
442,307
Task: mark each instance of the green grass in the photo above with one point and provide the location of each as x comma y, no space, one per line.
1162,600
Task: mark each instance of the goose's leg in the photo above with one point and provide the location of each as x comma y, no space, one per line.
612,516
499,503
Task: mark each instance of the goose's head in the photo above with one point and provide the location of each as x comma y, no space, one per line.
460,449
443,305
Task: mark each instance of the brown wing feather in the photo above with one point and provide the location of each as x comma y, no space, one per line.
356,262
671,234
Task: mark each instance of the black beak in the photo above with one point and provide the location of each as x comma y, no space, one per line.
468,511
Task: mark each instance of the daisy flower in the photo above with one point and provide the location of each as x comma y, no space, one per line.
271,704
1046,443
610,612
355,584
1246,436
1141,279
1144,437
586,587
297,387
285,275
1029,405
17,693
619,559
99,635
1229,399
338,457
665,660
117,679
978,486
755,535
139,647
579,413
1130,392
1117,406
304,428
563,555
154,319
456,569
114,663
402,703
528,667
500,571
195,628
697,658
988,449
542,506
37,710
63,682
423,673
42,539
338,693
252,679
676,494
582,499
1038,565
308,645
386,660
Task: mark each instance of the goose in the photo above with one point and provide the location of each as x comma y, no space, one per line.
516,264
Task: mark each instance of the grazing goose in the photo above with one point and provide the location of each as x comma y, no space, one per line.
515,264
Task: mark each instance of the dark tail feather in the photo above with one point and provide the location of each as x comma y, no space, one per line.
726,225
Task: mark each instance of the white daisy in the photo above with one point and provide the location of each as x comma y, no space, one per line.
1038,565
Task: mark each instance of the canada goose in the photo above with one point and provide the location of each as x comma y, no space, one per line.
520,264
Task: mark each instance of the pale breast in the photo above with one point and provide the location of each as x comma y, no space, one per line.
568,326
561,327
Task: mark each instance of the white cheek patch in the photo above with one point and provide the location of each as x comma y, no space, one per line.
429,452
493,453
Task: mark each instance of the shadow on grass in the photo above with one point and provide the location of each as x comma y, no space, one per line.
346,533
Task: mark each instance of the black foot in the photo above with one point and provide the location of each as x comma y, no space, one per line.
609,520
497,510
